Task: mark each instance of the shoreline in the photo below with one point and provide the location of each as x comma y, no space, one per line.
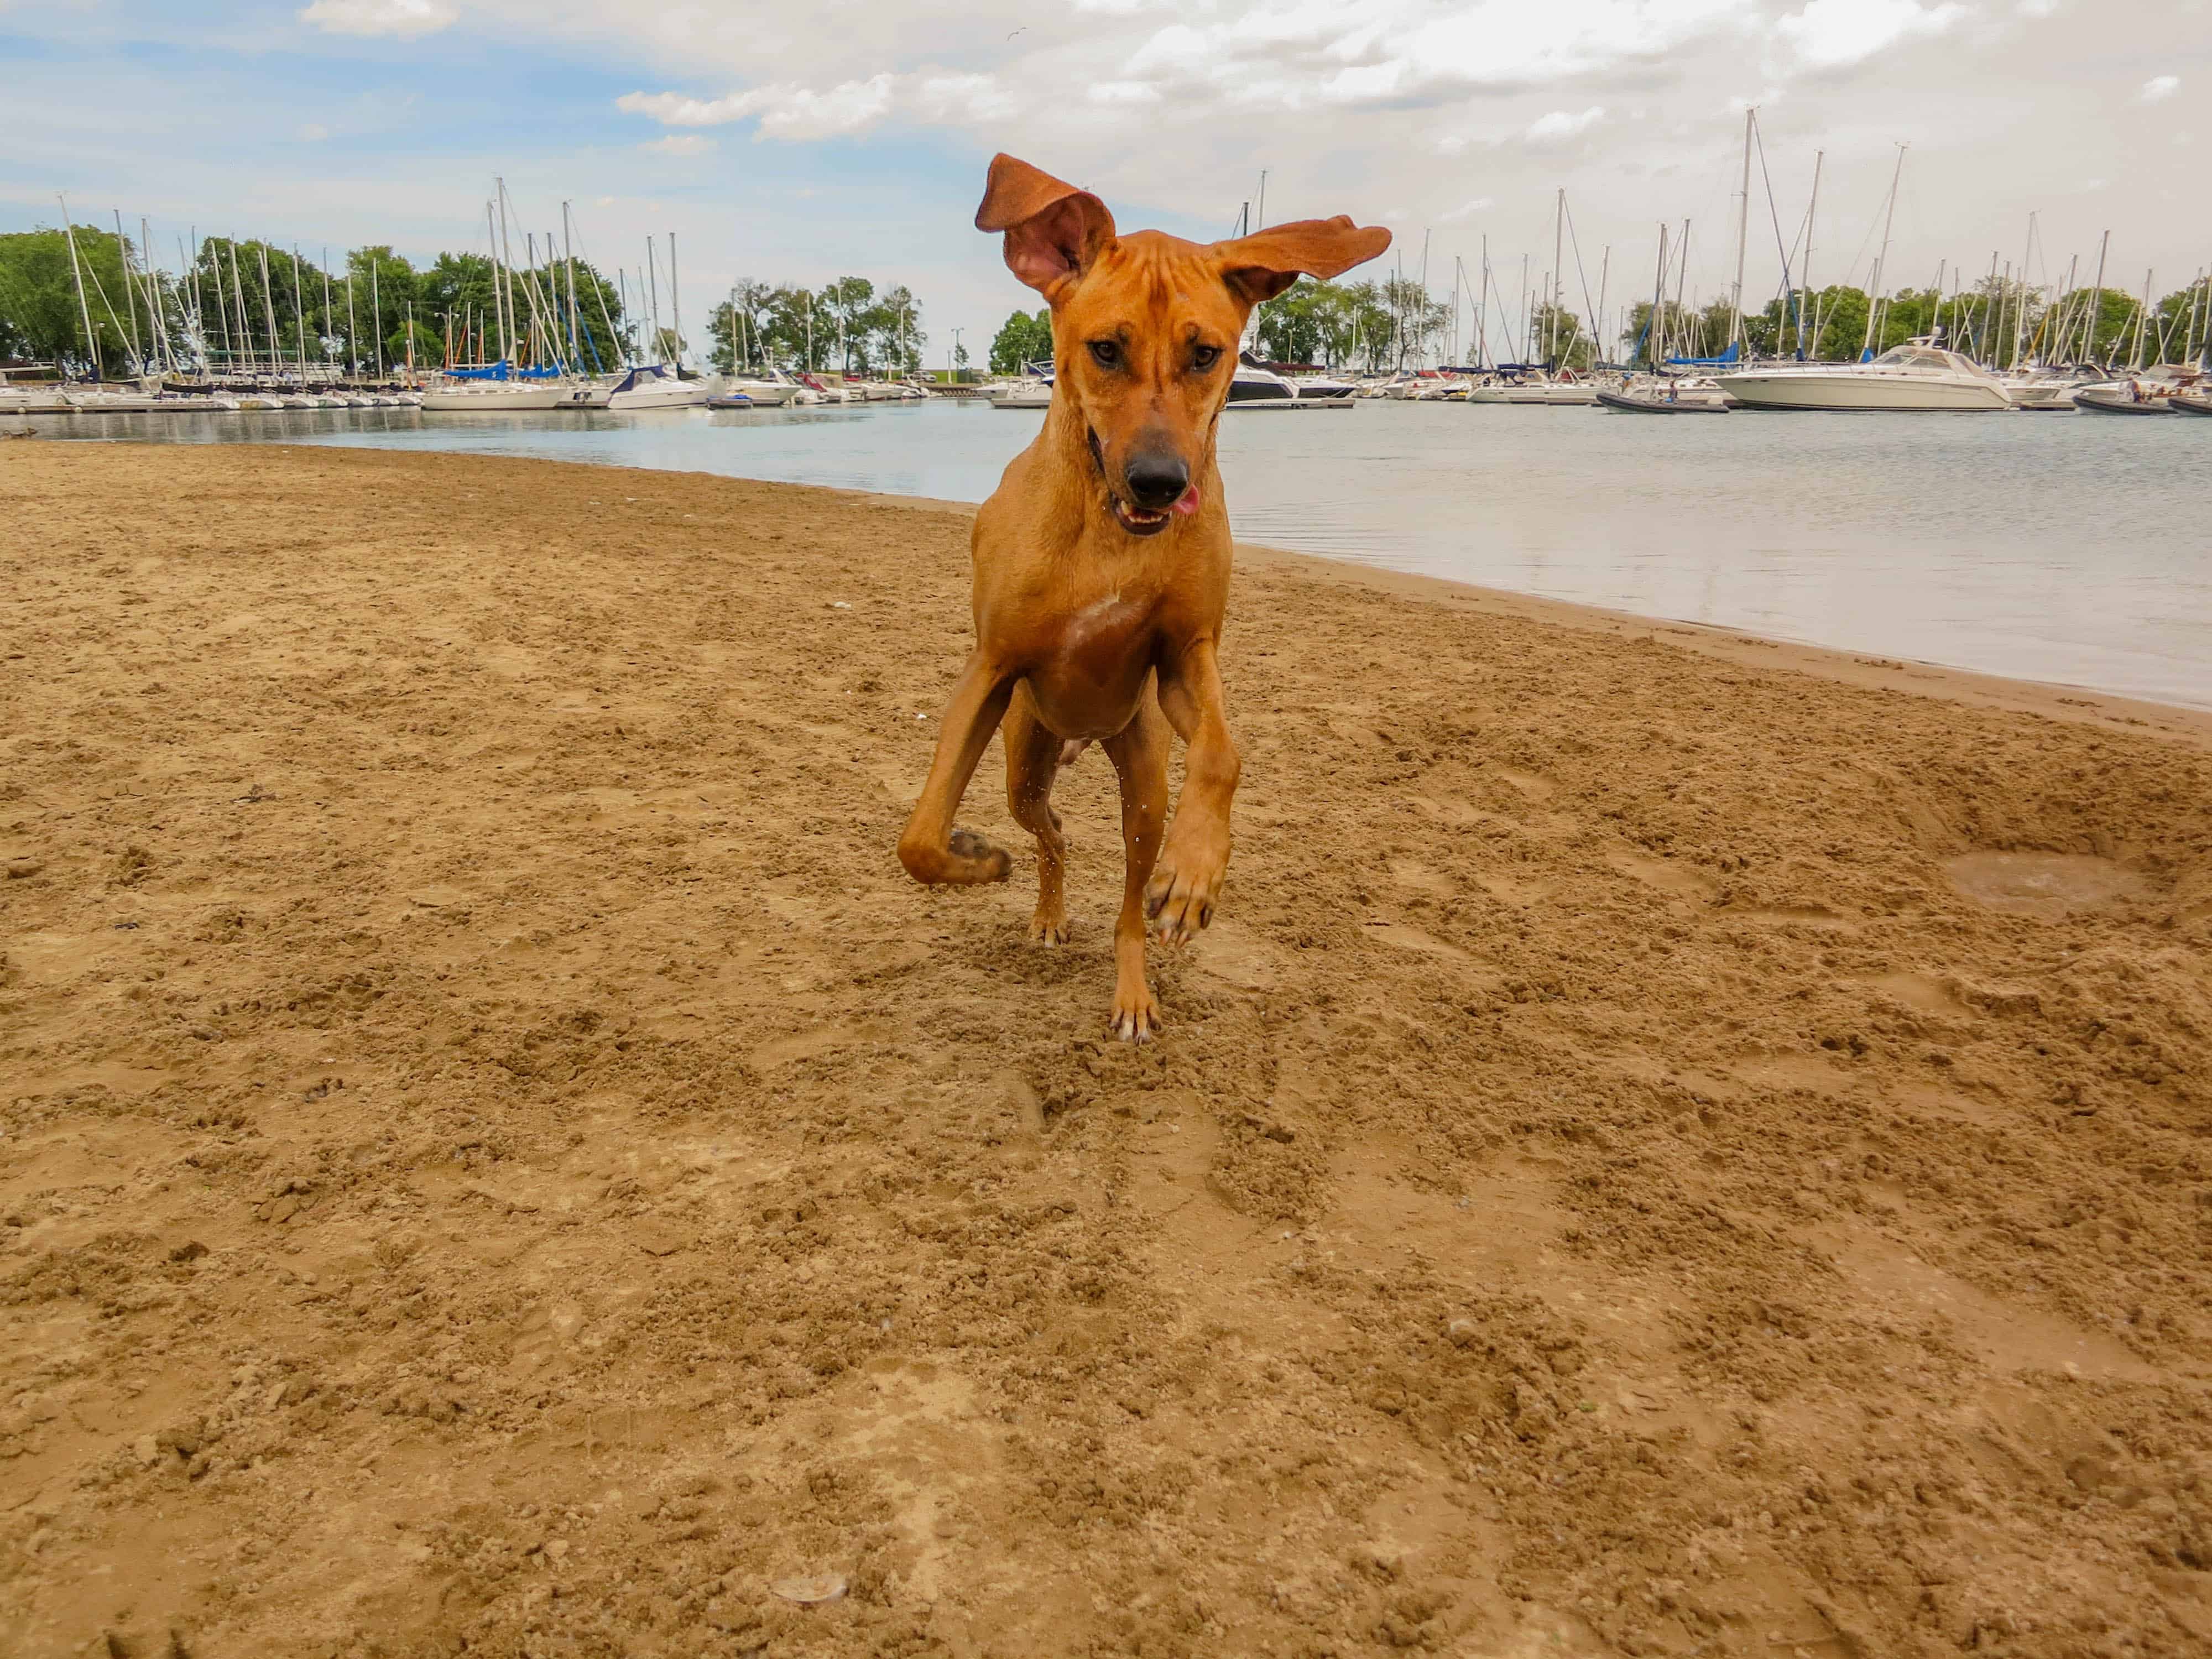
2056,700
487,1114
2052,700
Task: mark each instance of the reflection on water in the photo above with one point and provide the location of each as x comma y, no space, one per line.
2052,547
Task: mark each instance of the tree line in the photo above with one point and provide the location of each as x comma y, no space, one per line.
845,326
248,304
1378,325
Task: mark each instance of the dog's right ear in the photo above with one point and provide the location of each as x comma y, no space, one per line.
1054,232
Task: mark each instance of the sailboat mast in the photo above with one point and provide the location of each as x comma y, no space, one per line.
299,312
1804,265
1551,318
129,299
1881,261
1482,327
2019,301
376,314
269,305
675,305
653,288
2097,298
2143,312
1658,299
76,272
1742,232
568,260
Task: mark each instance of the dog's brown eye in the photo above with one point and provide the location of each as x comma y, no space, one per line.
1107,354
1204,357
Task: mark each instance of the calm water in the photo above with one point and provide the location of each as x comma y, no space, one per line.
2066,548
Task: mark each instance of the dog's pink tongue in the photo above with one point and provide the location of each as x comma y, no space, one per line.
1187,503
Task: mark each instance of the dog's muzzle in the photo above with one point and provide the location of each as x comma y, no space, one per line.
1160,485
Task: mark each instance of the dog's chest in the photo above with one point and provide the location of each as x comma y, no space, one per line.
1089,665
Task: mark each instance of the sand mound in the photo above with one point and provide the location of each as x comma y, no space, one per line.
1658,1156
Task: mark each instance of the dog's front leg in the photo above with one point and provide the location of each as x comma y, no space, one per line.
930,848
1187,881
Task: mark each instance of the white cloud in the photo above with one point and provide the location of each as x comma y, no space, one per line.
2159,88
680,143
1835,33
785,111
1559,126
314,133
1465,209
400,17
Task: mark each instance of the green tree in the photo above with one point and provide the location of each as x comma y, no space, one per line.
40,317
1022,340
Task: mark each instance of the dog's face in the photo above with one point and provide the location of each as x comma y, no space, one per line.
1145,326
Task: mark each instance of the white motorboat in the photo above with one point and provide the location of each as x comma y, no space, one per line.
1918,375
1326,386
1030,391
651,386
493,397
2050,390
1253,382
772,388
33,400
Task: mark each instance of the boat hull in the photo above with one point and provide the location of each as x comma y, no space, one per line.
1631,405
2119,403
496,400
1863,393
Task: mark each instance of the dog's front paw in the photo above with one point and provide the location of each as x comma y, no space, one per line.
1186,881
1136,1015
975,861
966,860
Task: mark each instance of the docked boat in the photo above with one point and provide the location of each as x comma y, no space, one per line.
651,386
2150,391
2045,391
2191,403
493,397
1253,382
1030,391
1660,400
1916,376
729,400
771,389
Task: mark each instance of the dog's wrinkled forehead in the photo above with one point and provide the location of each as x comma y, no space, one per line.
1149,279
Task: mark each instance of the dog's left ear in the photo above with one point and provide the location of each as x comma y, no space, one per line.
1053,231
1262,265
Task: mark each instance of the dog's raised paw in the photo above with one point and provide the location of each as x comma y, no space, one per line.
980,860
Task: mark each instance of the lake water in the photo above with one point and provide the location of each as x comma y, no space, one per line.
2073,548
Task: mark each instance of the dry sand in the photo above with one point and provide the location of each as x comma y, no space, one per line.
1665,1151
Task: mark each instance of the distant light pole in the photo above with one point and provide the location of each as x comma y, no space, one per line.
952,361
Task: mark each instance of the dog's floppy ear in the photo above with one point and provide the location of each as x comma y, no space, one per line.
1262,265
1054,232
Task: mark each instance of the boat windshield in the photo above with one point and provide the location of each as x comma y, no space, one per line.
1914,356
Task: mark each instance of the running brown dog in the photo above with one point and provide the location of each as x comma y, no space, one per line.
1102,562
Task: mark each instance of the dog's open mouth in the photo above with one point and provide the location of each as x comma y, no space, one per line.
1137,520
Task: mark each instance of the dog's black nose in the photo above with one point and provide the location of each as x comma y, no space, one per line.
1157,482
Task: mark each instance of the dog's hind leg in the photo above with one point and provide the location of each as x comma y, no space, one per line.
1033,755
930,848
1140,754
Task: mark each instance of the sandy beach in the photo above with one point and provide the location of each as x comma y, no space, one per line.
1674,1144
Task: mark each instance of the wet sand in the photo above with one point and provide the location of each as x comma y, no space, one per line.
1675,1143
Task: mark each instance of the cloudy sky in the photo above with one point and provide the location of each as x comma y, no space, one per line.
804,139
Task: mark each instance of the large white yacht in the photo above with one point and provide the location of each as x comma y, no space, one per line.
1916,375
